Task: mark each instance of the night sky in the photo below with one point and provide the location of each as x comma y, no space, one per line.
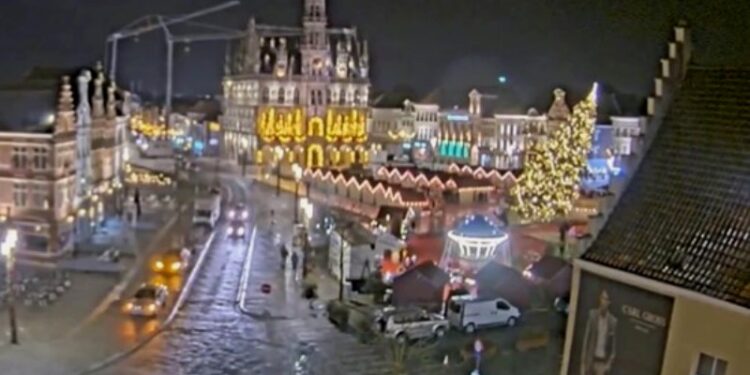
422,44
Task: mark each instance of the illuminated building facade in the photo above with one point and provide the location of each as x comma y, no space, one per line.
61,156
484,136
404,133
297,94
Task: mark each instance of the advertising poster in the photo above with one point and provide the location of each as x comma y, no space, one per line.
619,329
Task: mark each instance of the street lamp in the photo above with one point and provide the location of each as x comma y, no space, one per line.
7,249
297,173
244,146
279,153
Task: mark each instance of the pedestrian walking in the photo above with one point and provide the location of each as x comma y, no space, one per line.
295,260
284,254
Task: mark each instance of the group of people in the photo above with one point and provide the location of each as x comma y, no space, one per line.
310,291
285,254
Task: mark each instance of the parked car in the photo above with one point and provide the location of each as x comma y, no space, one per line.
410,324
147,301
236,229
468,313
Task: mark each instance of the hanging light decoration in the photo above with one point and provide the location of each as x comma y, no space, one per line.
553,168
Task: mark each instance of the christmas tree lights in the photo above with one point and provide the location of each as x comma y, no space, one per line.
552,170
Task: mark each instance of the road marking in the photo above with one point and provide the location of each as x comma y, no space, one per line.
242,290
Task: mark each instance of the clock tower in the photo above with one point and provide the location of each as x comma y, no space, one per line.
315,55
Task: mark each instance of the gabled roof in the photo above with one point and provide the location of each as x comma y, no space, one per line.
427,271
684,219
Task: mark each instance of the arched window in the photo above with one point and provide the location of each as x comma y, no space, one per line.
264,95
282,95
296,95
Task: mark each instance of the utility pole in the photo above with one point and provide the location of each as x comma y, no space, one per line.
341,265
278,178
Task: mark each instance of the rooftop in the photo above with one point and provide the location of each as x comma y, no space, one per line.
478,226
685,216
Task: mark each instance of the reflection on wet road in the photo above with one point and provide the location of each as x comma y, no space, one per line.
211,336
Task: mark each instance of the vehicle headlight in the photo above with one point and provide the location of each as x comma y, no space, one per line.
244,214
159,265
128,306
151,307
176,266
241,230
231,214
230,230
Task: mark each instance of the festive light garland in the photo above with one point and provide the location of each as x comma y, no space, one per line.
552,170
288,125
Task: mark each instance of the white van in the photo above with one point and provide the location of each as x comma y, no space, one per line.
468,313
207,210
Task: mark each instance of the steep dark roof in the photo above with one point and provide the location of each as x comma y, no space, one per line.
427,271
685,216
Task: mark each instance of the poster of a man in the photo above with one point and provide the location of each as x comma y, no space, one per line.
619,329
598,352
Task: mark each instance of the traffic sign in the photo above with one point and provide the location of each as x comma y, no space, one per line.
265,288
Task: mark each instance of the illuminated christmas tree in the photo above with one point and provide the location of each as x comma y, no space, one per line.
552,170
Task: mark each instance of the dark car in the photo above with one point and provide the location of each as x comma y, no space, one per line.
238,212
148,301
170,262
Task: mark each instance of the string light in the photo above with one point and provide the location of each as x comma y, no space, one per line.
553,168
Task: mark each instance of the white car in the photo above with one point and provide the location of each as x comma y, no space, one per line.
147,301
469,313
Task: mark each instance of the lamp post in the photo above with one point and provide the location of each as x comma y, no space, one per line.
297,173
341,265
342,229
279,153
244,145
8,251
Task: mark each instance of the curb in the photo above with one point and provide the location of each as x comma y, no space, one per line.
111,360
244,280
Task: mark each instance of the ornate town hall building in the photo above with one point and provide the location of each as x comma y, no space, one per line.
297,94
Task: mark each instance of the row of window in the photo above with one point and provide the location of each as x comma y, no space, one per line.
36,158
292,96
31,196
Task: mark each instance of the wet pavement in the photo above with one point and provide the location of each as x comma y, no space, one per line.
211,336
280,336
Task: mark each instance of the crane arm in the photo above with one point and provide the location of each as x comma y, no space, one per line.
206,37
150,26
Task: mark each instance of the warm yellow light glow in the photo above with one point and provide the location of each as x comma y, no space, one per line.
552,170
